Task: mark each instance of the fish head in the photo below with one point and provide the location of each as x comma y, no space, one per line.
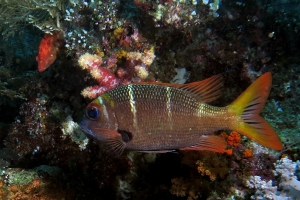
99,121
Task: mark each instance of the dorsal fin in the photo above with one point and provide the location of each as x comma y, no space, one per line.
204,91
207,90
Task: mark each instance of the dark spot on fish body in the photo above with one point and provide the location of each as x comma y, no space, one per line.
126,135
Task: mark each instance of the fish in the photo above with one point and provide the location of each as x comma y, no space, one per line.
48,50
164,117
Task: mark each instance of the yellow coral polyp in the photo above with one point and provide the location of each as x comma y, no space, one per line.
151,50
99,53
207,172
178,188
118,32
211,172
134,56
200,168
96,73
141,72
148,58
212,177
87,60
121,54
87,94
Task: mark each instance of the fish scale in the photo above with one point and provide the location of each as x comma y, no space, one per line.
161,117
151,106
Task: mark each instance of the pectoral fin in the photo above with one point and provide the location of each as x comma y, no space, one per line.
112,140
209,143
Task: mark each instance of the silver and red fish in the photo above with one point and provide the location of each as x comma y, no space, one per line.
161,117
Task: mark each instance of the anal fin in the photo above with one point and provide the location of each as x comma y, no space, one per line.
158,151
209,143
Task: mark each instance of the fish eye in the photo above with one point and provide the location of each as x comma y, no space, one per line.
92,112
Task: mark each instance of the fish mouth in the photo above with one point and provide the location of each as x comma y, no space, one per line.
85,129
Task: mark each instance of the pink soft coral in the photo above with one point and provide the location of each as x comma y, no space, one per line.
103,76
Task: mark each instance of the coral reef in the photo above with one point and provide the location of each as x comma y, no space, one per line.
290,186
89,47
30,184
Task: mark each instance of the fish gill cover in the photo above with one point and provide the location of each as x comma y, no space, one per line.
86,48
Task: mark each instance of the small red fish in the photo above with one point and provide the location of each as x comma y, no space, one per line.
161,117
48,50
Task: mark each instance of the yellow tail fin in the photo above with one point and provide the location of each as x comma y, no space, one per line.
248,106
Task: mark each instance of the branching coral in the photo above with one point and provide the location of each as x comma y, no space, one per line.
263,188
290,186
285,168
139,63
118,67
103,76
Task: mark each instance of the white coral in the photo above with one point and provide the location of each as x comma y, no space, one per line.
264,190
72,129
285,168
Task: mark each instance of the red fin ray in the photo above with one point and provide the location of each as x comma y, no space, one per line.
205,91
114,147
209,143
158,151
113,142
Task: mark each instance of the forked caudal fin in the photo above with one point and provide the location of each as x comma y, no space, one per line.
248,106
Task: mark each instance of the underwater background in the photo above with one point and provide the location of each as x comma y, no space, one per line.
51,54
